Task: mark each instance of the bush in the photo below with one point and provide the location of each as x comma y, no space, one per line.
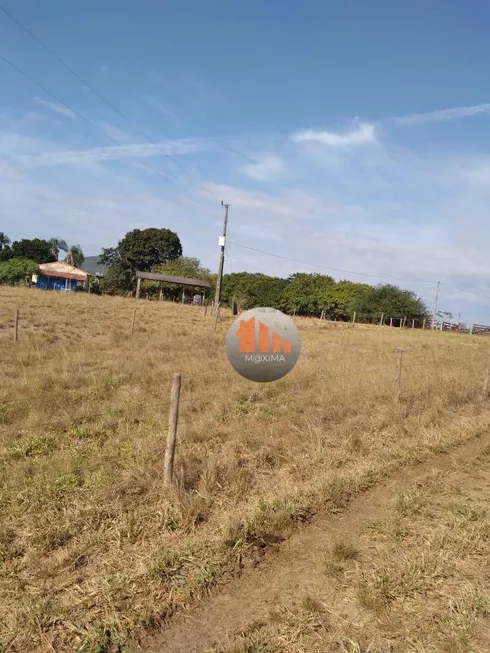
18,270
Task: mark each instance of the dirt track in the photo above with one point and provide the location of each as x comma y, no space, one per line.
293,568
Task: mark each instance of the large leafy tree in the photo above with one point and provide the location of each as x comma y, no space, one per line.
391,301
139,250
17,270
253,290
308,294
36,249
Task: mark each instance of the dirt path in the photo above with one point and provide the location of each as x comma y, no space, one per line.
293,568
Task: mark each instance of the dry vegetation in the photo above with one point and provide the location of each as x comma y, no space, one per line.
94,552
416,580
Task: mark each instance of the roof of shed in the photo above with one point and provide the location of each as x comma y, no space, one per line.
180,281
62,270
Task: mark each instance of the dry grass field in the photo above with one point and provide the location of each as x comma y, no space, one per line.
96,555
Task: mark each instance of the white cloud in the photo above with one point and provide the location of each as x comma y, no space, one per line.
361,134
98,154
444,114
57,108
264,169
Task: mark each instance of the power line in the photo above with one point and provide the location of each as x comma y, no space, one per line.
88,121
99,95
324,267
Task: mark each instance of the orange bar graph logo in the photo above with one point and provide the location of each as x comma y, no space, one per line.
247,340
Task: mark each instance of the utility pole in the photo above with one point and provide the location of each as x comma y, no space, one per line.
222,243
435,305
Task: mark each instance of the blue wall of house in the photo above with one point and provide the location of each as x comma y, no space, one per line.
55,283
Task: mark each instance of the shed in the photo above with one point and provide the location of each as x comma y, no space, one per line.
60,276
202,284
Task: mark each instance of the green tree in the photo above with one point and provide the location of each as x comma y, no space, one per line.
392,302
139,250
345,298
253,290
308,294
36,249
4,241
18,270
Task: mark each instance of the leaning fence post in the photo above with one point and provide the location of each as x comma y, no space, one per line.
486,382
382,319
354,318
173,419
16,326
398,377
133,321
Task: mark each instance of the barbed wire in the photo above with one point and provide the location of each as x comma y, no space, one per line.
83,419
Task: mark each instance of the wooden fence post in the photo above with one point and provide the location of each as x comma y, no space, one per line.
404,321
413,323
423,323
205,307
486,382
354,318
16,326
398,377
382,319
173,419
391,321
138,288
133,321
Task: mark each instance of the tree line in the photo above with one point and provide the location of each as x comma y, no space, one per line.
160,250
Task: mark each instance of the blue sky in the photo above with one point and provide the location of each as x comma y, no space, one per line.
349,134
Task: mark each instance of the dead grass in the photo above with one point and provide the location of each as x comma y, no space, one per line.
93,548
420,583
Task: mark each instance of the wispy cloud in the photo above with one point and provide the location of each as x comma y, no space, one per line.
361,134
265,169
99,154
444,114
57,108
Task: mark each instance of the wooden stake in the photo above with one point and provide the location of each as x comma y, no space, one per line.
391,321
413,323
205,307
138,288
133,321
173,419
382,319
404,320
354,318
16,326
486,382
423,323
398,377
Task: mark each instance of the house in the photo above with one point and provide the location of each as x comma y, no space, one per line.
60,276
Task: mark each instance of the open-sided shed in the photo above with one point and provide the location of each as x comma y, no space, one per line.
201,284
